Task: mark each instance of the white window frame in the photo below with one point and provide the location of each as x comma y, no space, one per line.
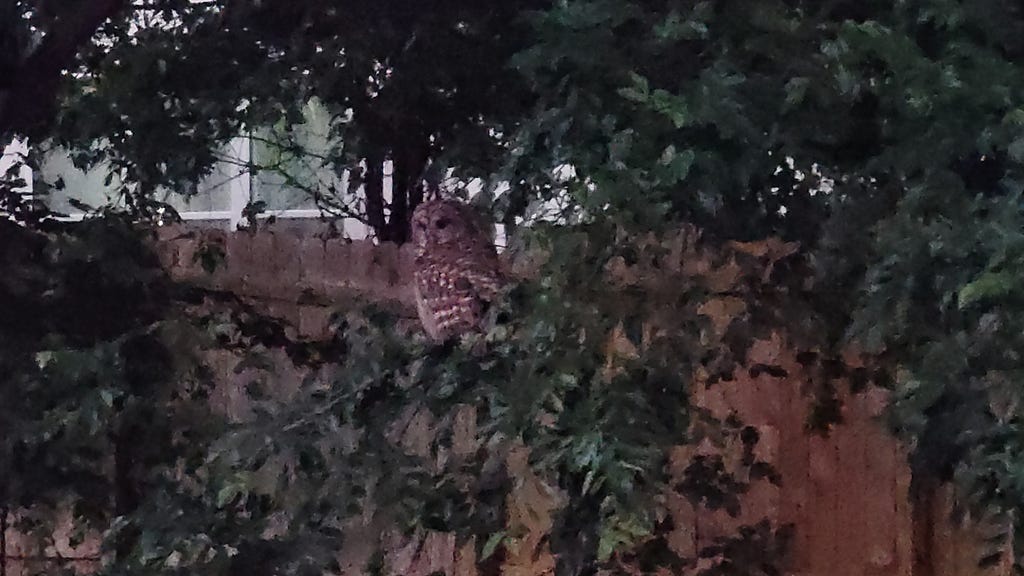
238,184
239,187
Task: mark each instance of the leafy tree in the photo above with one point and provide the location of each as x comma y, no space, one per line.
419,85
909,113
885,138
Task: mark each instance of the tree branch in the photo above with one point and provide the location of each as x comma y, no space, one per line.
29,106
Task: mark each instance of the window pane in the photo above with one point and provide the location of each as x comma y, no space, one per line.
212,193
88,187
295,163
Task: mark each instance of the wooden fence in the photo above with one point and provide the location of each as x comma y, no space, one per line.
845,493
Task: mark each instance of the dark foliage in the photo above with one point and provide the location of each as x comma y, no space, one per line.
885,138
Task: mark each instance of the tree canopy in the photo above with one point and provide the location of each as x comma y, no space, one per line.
886,138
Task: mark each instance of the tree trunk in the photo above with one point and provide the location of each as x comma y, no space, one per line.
373,181
923,499
398,223
409,162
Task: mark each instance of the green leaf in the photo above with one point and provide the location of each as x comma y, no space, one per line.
633,94
989,285
1014,117
107,396
1016,150
620,532
227,494
492,544
678,165
796,90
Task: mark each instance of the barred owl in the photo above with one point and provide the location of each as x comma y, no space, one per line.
457,271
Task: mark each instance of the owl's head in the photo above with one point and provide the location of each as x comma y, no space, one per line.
438,223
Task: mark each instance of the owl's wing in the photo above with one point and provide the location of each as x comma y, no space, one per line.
482,281
482,277
424,308
447,300
453,293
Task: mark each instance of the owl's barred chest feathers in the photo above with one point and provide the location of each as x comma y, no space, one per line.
454,291
457,272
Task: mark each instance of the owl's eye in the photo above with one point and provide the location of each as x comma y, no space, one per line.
441,224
